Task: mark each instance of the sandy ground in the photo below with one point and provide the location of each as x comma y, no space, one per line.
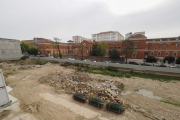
42,102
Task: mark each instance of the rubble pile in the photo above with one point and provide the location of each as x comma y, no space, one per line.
82,83
107,90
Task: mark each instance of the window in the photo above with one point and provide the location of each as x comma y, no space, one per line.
114,47
47,46
160,39
111,47
175,54
135,45
166,53
134,54
152,53
177,45
168,39
168,45
146,45
118,47
160,46
177,38
153,46
159,53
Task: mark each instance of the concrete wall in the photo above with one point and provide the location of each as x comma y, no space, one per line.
10,49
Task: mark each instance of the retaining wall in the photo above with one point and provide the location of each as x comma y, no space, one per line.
10,49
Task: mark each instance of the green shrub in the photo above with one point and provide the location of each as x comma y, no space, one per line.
131,72
60,55
112,68
170,59
178,60
128,75
76,64
90,70
106,72
121,87
39,62
24,57
151,59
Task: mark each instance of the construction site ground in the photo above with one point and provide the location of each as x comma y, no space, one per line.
43,101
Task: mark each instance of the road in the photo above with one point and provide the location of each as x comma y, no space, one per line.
135,67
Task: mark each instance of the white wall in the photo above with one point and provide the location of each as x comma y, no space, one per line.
10,49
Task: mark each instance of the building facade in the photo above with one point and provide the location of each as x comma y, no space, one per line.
143,47
108,36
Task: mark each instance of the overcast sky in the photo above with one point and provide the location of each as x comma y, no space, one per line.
26,19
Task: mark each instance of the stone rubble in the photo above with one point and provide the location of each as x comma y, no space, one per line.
107,90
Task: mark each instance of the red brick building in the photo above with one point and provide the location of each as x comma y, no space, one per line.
158,47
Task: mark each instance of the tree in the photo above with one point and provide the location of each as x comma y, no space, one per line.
27,48
94,49
60,55
128,48
99,49
24,46
178,60
32,51
170,59
56,45
151,59
81,49
114,54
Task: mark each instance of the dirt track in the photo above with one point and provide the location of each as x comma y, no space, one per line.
42,102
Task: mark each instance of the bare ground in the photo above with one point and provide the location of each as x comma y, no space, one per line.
42,102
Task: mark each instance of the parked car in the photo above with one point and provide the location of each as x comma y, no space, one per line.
86,60
133,63
80,97
160,65
115,107
94,60
145,64
107,61
174,66
119,62
96,102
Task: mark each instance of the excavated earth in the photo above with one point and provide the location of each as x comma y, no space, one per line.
45,92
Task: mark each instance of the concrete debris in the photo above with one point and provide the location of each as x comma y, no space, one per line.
106,90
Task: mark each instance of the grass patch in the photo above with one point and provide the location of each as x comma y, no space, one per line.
175,104
121,87
112,72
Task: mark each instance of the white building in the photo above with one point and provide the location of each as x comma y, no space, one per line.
79,39
131,34
108,36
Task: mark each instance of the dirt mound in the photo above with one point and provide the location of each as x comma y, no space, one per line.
4,113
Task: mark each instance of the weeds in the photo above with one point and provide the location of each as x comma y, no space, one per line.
112,72
175,104
121,87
